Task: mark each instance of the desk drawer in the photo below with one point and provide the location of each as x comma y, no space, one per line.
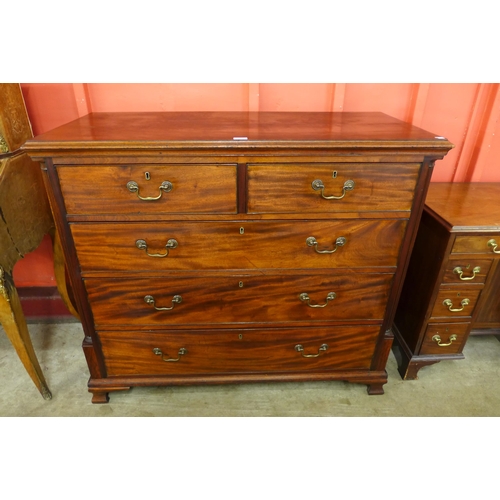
468,270
488,245
237,245
445,338
238,299
193,189
289,188
244,351
460,302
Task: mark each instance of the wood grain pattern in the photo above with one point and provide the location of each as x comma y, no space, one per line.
103,189
370,244
222,300
467,266
243,212
477,244
445,331
288,188
209,130
131,353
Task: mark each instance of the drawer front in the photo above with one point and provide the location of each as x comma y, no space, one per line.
238,300
106,189
488,245
461,302
468,270
289,188
237,245
445,338
245,351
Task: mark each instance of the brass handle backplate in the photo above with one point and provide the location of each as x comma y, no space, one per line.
149,299
304,297
181,352
165,187
339,242
458,270
437,339
318,184
300,348
449,304
493,244
142,245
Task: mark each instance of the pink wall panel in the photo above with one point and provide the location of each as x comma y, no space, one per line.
466,114
295,96
393,98
168,97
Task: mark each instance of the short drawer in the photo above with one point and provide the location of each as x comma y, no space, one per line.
134,247
148,189
351,187
445,338
454,302
488,245
467,270
238,299
245,351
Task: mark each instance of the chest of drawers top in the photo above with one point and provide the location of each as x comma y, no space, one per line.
240,131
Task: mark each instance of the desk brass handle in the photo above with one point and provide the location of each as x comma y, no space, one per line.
304,297
339,242
493,244
181,352
437,339
300,348
449,304
318,184
165,187
458,270
142,245
149,299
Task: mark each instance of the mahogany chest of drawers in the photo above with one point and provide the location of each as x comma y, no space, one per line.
236,247
452,288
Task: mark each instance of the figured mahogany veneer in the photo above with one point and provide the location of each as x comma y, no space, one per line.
454,258
236,247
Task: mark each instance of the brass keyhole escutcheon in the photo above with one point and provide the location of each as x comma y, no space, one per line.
147,176
242,230
240,336
240,284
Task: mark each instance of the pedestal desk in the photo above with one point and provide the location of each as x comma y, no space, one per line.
236,247
452,288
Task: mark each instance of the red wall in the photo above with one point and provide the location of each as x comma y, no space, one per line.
466,114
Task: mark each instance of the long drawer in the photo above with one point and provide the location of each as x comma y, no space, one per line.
135,247
355,186
242,351
238,299
118,189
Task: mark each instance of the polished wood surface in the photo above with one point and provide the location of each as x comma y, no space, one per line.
452,259
103,189
243,300
221,245
125,131
462,205
241,208
270,187
349,348
25,218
